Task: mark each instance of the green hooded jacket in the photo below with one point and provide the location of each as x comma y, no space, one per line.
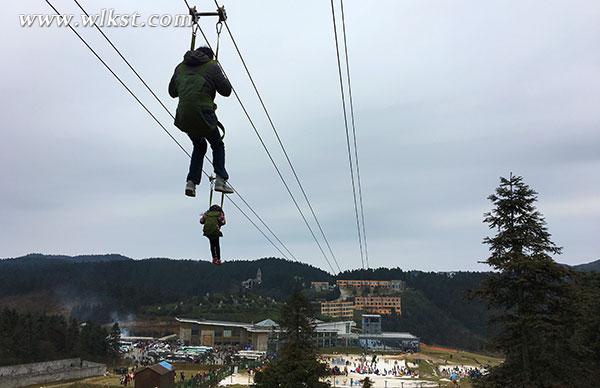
196,81
212,223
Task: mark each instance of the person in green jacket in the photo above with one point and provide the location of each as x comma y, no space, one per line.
196,81
212,220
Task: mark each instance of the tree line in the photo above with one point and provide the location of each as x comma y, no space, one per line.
28,338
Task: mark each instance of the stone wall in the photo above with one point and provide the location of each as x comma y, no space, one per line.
48,372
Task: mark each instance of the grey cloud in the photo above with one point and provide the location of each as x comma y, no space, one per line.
449,96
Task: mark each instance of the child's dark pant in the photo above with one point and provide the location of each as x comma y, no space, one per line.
215,248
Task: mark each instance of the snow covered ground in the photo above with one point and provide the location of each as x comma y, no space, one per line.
385,364
385,378
342,381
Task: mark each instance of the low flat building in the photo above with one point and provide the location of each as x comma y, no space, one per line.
404,342
326,335
338,309
263,336
373,338
222,333
340,327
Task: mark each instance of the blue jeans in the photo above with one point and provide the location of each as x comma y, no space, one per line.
218,152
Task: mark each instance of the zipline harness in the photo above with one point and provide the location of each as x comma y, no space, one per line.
195,24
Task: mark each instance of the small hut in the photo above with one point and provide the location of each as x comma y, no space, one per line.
161,375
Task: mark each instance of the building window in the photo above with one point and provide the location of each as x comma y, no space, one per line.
227,333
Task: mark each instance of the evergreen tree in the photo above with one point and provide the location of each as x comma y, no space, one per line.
31,337
528,295
114,339
93,342
584,317
297,364
73,340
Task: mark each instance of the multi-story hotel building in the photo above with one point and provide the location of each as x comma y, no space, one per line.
378,304
389,284
338,309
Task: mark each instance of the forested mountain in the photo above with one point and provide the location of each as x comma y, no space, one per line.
435,307
97,290
40,258
594,266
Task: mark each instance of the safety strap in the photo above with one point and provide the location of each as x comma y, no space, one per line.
194,30
222,128
195,26
219,29
212,189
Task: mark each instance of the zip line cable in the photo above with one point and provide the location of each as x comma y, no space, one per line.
173,117
266,149
337,51
287,157
156,120
360,196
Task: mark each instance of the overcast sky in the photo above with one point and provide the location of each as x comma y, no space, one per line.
449,95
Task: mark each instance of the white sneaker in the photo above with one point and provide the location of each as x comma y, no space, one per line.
222,186
190,189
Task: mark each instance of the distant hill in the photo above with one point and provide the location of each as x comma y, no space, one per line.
593,266
40,258
100,288
129,283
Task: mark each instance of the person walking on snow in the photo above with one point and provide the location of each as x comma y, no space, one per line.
196,81
212,220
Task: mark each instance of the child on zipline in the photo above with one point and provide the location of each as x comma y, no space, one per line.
212,220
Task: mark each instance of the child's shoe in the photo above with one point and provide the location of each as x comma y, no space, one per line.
216,261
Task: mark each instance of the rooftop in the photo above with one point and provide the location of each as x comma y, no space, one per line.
161,368
263,326
389,336
267,323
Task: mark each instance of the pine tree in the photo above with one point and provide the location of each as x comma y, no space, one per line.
527,294
297,364
114,339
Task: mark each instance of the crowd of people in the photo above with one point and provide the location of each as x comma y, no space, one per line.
455,373
127,377
143,353
371,365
